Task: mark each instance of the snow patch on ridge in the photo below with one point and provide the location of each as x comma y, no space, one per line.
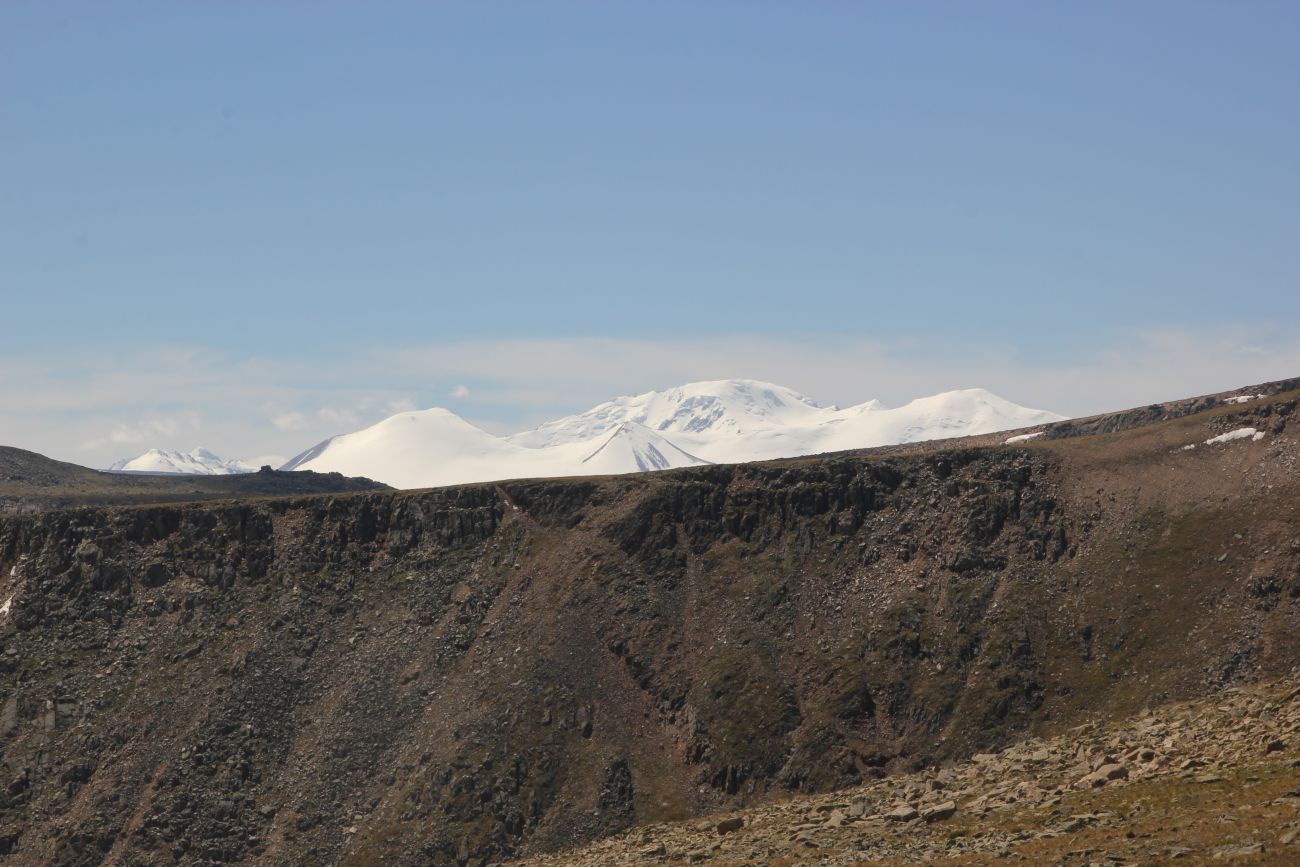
1240,433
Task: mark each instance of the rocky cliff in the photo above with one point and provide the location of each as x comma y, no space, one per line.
464,674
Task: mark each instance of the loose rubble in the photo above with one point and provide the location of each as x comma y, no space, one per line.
1212,780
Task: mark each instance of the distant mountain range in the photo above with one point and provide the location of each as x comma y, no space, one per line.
199,462
726,421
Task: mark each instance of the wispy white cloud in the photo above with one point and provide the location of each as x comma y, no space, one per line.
289,421
401,405
336,416
96,408
145,431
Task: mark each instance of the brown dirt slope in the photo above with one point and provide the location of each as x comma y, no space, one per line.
467,674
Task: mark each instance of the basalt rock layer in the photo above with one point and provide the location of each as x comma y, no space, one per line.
465,674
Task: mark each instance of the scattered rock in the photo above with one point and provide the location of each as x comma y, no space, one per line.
939,812
1239,850
732,823
1113,771
902,813
1090,781
1102,760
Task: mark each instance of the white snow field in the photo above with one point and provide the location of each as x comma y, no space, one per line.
726,421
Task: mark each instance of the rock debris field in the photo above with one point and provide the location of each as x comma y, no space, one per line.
1213,780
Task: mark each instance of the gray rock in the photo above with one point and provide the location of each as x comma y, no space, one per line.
1239,850
939,812
902,813
9,715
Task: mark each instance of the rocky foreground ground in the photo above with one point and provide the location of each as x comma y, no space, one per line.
1211,780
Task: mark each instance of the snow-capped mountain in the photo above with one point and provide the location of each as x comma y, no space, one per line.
423,448
735,407
735,420
727,421
200,462
437,447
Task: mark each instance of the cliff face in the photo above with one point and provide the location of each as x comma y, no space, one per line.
457,675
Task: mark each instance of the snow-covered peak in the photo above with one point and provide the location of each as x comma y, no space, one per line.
199,461
730,405
961,413
432,434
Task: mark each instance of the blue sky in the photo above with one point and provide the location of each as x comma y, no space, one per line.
311,190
